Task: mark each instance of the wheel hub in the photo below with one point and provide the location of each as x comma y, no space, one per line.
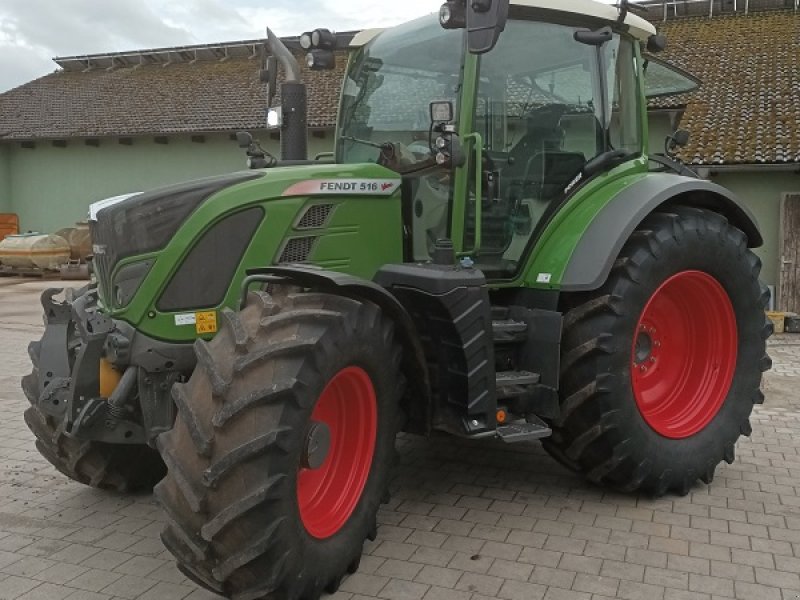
643,350
684,354
317,446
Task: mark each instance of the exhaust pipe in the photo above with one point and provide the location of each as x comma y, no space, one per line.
294,135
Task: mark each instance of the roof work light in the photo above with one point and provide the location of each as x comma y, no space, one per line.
319,45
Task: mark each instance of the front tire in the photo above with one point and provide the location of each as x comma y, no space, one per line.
281,452
661,366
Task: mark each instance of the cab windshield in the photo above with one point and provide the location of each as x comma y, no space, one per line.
388,90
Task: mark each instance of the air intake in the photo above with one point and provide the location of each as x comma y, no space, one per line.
316,216
297,250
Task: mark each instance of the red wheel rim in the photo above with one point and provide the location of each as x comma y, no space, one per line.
328,495
684,354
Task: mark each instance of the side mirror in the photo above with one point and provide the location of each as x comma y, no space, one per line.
244,139
656,43
486,20
269,75
594,38
681,137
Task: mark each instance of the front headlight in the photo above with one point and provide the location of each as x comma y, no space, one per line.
127,282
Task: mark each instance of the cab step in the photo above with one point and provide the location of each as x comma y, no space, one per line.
509,331
534,429
511,384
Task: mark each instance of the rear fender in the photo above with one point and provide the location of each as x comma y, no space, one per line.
599,246
415,368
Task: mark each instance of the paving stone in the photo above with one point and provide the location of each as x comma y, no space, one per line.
399,569
518,590
467,521
398,589
716,586
596,584
439,576
94,580
553,577
432,556
28,566
47,591
474,563
361,583
508,569
60,573
634,590
480,583
166,591
129,586
437,593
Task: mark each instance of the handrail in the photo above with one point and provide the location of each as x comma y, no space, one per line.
478,143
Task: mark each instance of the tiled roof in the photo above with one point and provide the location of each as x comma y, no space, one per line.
203,96
747,110
748,107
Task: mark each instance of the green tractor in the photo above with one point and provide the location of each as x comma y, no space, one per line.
490,252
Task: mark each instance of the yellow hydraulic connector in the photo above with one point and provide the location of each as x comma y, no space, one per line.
109,378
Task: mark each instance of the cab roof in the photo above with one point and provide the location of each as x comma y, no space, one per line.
637,26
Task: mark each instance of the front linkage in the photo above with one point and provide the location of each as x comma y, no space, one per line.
100,378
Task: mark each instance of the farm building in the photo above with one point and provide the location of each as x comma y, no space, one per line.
109,124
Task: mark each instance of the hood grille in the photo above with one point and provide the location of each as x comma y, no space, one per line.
315,217
297,250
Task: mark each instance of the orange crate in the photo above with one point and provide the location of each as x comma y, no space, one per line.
9,224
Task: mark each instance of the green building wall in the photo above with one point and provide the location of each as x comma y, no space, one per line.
52,187
763,192
5,180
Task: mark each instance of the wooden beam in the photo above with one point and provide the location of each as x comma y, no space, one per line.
59,143
94,142
126,141
161,139
199,139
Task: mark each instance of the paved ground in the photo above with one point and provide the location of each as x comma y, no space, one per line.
468,521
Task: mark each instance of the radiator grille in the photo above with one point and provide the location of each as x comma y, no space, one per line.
297,250
315,217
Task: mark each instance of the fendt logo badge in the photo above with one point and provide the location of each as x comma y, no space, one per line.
366,187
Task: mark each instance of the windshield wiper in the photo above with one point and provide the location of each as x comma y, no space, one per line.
350,138
605,162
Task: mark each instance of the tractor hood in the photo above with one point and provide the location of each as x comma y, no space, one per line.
139,223
185,248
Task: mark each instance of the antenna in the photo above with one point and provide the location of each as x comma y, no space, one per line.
626,6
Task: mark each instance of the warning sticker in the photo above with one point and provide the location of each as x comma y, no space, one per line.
206,322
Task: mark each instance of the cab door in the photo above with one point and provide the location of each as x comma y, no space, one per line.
544,105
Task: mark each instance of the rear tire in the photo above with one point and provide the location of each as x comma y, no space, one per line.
624,422
246,516
115,467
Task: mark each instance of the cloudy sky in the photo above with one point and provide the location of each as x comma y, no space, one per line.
32,32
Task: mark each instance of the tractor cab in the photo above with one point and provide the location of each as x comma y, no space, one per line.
550,106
